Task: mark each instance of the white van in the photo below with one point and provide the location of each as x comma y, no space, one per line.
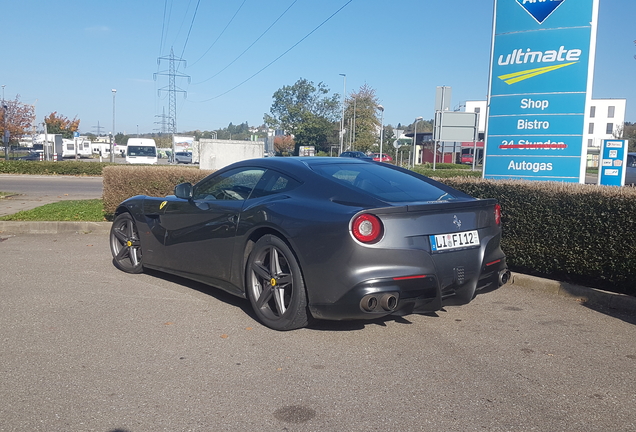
141,151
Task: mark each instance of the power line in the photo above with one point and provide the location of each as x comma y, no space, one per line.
163,25
219,36
247,49
183,20
280,56
190,29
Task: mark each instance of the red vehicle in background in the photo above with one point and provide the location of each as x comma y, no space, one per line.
385,157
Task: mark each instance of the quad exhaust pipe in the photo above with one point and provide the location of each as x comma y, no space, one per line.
387,302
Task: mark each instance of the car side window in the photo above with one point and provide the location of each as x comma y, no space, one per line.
274,182
236,184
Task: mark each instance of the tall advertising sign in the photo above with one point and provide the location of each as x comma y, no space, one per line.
540,87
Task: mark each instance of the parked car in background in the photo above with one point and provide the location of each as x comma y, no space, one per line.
183,157
318,237
31,156
357,155
385,157
630,169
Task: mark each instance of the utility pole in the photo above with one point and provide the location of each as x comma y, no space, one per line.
5,132
98,129
342,123
113,133
163,121
172,89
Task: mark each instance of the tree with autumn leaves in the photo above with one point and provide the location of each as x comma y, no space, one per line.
59,124
16,118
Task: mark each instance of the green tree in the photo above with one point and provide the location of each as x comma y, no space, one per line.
121,139
387,142
361,113
629,133
307,112
59,124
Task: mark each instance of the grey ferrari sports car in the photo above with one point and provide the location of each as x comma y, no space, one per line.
318,238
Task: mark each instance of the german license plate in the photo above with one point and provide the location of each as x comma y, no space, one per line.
442,242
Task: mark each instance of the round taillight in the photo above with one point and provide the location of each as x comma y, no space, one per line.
497,214
366,228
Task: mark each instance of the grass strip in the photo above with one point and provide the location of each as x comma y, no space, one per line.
72,210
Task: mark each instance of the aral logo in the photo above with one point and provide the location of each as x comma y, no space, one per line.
540,9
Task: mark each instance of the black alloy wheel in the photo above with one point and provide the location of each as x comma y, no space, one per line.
275,285
125,245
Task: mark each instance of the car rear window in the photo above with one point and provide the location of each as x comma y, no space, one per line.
384,183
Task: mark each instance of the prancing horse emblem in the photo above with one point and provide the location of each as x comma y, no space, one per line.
457,222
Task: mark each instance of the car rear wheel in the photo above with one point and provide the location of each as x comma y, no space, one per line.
125,245
275,285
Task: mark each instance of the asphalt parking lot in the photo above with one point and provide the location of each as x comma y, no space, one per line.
86,347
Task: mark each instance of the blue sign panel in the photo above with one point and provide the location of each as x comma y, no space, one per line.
540,83
611,170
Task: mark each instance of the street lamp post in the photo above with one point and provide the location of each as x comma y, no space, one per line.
415,139
381,108
112,147
4,127
344,93
5,132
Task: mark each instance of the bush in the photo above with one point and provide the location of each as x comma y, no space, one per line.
446,166
124,181
447,172
52,168
578,233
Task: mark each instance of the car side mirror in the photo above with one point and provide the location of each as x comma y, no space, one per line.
183,191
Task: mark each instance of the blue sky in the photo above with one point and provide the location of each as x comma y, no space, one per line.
66,56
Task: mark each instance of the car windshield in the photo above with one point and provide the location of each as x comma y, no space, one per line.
384,183
142,151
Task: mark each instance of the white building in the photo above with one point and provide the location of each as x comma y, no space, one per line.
480,108
605,120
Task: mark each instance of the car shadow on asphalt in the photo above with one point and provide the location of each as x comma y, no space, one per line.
245,306
216,293
352,325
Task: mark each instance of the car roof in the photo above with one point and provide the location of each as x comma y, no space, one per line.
298,165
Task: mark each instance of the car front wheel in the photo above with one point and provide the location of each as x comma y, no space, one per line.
125,244
275,285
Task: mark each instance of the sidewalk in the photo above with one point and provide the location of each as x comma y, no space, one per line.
12,228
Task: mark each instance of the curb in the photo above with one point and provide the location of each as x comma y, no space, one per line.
592,296
18,227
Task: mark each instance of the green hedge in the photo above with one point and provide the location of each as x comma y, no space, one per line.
51,168
124,181
450,170
583,234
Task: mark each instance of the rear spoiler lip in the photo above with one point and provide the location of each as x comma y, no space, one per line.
435,206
